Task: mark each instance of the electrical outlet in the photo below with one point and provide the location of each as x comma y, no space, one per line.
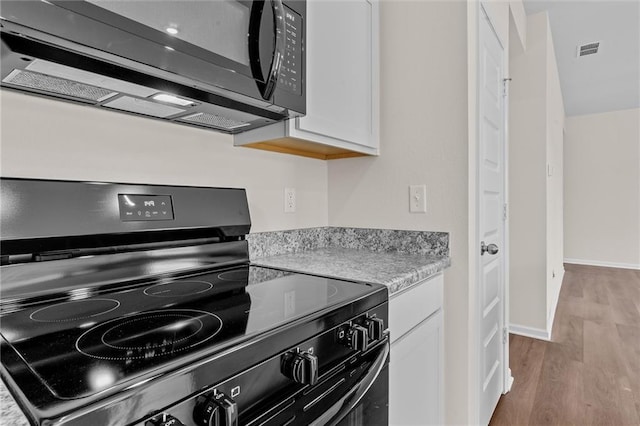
417,198
289,200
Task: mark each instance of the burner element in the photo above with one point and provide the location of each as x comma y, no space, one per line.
178,288
240,276
152,331
74,310
149,334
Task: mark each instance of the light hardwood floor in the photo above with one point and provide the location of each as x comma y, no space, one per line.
589,374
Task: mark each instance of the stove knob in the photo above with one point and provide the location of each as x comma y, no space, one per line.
301,367
164,420
215,410
375,327
355,337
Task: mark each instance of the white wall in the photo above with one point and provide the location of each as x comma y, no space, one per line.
555,221
602,189
507,15
51,139
527,183
424,140
519,21
498,12
536,120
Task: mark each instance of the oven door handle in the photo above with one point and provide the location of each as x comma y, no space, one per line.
353,397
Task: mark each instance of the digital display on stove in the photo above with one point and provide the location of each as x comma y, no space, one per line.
136,207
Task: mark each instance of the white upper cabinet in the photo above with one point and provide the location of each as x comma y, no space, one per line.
340,76
342,86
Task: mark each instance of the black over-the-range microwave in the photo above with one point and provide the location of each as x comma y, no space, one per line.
230,65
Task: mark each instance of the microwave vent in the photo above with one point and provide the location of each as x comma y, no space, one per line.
213,120
92,79
143,106
60,86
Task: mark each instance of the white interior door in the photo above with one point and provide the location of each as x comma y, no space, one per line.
491,224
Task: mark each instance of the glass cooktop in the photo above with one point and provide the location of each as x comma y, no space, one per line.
90,342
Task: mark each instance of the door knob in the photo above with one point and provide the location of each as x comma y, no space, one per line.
491,248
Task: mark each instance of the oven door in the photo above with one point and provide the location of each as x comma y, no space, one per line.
367,403
251,48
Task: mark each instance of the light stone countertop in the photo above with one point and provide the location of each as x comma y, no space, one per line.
10,413
395,270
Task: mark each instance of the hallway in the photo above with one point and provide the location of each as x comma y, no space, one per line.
589,374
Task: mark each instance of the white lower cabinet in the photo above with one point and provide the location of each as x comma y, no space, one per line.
416,366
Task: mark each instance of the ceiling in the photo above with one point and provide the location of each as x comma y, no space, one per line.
608,80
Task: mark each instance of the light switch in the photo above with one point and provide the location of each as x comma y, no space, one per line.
417,198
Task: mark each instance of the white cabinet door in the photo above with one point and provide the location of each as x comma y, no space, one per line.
342,73
415,375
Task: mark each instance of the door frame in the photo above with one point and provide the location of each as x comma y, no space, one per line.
475,237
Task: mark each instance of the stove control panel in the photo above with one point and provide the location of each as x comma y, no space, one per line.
354,336
215,409
301,367
361,333
375,327
294,386
136,207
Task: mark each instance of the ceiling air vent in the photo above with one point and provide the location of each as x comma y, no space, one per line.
588,49
60,86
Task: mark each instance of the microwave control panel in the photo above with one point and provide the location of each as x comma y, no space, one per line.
291,68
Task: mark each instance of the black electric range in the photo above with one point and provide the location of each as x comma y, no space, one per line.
136,304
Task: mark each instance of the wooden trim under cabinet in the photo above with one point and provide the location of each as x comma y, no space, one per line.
305,148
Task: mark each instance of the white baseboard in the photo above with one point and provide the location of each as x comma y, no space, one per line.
536,333
509,381
605,264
